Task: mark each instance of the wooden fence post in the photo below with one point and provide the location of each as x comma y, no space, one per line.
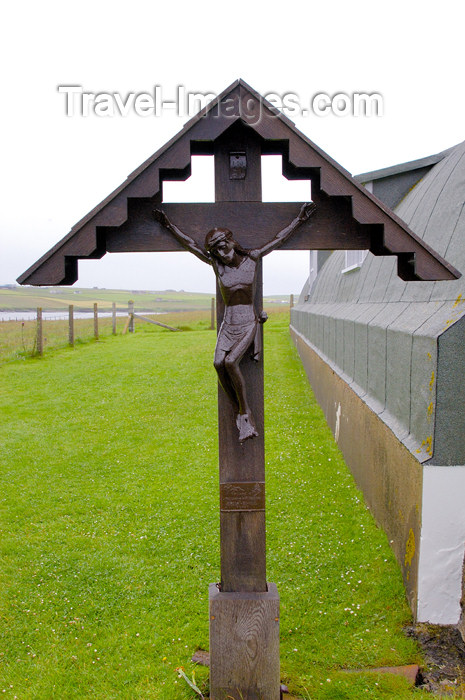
113,318
291,301
39,332
96,321
131,316
213,315
71,325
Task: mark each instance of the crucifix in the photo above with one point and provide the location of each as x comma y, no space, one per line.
236,272
243,594
232,235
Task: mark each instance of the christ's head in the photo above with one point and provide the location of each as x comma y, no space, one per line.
220,243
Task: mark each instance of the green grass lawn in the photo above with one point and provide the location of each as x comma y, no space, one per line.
109,527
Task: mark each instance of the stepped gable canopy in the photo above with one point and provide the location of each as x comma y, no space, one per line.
347,217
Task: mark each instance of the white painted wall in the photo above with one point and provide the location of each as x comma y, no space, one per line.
442,545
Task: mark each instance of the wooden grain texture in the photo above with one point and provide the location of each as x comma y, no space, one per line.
71,325
332,227
39,332
155,323
244,645
249,189
131,316
243,554
96,321
212,314
127,324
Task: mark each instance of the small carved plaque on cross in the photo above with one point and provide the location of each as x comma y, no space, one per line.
242,496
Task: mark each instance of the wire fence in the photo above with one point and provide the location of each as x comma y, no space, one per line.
25,338
34,333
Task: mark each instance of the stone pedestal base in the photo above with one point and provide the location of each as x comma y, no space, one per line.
244,645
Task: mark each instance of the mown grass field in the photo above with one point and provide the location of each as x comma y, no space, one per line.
109,527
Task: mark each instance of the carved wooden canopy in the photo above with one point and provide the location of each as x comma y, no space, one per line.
240,121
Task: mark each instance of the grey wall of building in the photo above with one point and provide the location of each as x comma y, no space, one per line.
399,345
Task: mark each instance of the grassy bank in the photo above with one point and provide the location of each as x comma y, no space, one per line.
109,527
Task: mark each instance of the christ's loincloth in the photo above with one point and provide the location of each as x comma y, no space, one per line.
231,334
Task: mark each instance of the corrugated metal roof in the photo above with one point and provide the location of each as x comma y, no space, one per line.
403,167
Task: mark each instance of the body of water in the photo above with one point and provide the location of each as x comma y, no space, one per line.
58,315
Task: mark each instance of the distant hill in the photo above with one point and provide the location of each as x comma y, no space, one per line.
58,298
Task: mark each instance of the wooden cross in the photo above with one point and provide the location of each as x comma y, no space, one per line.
237,129
238,209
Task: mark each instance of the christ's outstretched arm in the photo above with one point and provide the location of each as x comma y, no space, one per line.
185,240
307,210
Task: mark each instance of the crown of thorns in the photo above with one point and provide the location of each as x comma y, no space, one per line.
215,236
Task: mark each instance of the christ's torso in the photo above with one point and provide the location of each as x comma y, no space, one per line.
237,284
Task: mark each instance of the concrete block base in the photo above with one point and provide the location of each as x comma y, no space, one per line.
244,645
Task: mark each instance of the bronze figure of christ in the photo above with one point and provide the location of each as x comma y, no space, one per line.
236,272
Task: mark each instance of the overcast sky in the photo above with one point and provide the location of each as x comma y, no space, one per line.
55,168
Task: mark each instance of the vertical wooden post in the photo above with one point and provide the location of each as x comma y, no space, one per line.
96,321
131,316
212,315
291,301
113,318
71,325
244,613
243,564
242,532
39,332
